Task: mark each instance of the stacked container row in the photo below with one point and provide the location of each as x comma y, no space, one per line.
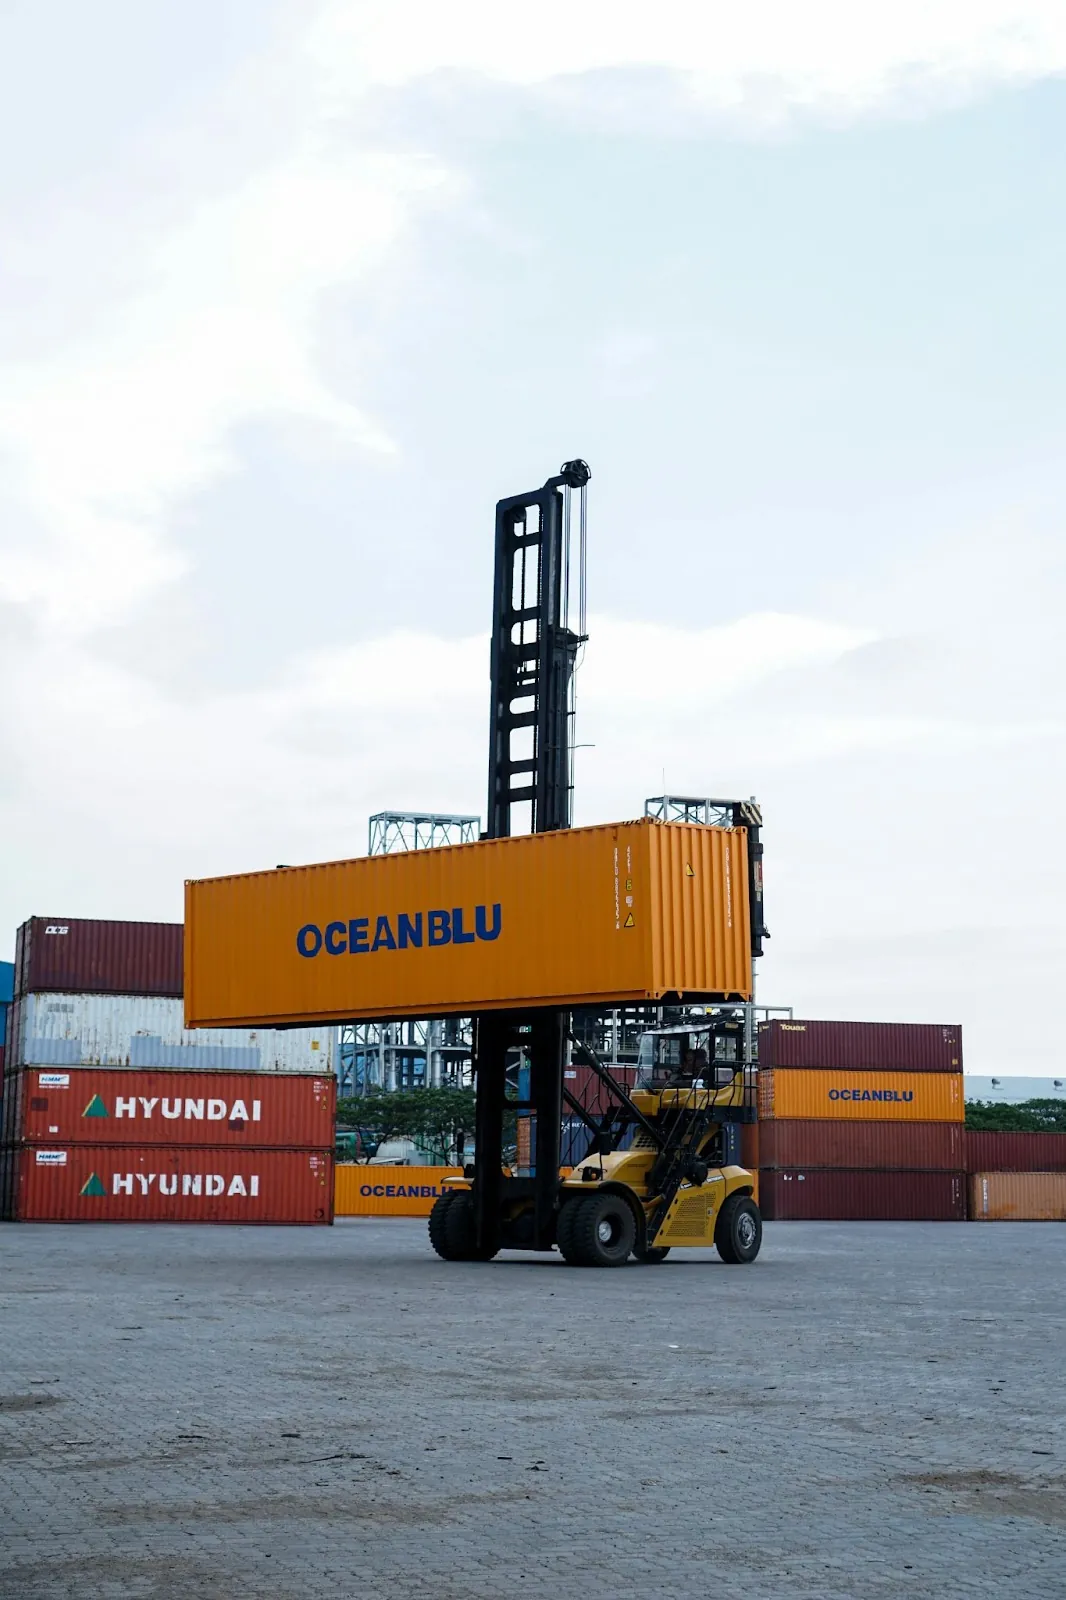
113,1111
1016,1177
859,1121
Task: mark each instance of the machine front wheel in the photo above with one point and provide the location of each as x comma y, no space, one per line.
451,1228
651,1256
603,1231
738,1231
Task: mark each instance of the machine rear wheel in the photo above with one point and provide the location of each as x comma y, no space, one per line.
651,1256
451,1228
604,1231
738,1231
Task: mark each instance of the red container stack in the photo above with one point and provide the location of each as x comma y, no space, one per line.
878,1166
1015,1152
834,1194
75,955
85,1143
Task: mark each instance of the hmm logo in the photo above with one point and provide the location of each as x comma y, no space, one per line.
401,932
901,1096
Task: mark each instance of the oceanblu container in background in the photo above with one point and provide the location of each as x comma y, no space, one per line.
95,1183
1018,1197
840,1196
865,1096
916,1146
369,1191
147,1032
629,911
888,1046
94,1105
84,956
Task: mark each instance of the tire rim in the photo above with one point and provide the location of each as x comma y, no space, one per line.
606,1231
745,1230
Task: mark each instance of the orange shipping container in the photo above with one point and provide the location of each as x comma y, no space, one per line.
389,1191
624,912
1018,1197
867,1096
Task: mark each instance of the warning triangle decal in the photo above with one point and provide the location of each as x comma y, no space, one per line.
628,923
95,1108
94,1187
688,870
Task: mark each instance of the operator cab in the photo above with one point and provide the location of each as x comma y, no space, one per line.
704,1053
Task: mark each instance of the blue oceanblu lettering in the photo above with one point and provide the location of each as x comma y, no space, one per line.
898,1095
399,1191
404,931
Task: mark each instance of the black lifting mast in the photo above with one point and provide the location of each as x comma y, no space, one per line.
534,654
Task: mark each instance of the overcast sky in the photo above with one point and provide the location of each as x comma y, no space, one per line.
291,293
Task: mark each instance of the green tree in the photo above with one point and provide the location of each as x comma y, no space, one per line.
439,1121
1032,1116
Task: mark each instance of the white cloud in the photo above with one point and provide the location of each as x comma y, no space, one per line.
105,437
827,54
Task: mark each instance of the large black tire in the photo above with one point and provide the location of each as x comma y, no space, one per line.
451,1228
738,1231
564,1228
651,1255
604,1231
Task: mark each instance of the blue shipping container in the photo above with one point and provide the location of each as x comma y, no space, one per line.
7,982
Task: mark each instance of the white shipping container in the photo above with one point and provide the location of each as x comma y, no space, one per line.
147,1032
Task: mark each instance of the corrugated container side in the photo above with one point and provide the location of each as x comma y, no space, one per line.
540,919
589,1091
861,1096
389,1191
147,1032
92,1105
7,982
882,1046
698,879
840,1196
750,1146
912,1146
1015,1152
82,956
1018,1197
97,1183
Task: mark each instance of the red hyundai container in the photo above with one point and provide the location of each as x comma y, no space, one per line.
105,1183
95,1105
915,1146
1015,1152
861,1046
78,956
837,1196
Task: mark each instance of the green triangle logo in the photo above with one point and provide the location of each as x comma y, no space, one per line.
94,1187
96,1108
